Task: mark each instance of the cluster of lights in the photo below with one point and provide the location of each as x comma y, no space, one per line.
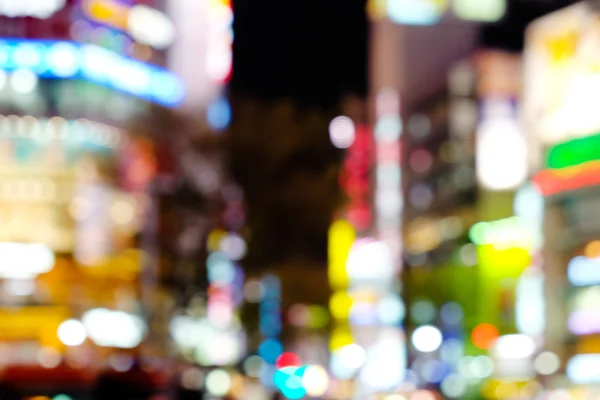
296,381
220,53
270,326
98,325
43,130
146,25
388,192
28,60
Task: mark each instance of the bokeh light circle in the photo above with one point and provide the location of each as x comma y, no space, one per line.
218,382
427,338
342,132
315,381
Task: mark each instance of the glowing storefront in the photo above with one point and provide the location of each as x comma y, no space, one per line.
73,178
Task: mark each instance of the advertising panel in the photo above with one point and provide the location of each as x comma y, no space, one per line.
562,79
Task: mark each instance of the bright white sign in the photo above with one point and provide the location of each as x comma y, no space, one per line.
25,260
501,157
561,75
118,329
31,8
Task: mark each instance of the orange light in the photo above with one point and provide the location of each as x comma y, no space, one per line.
484,335
592,250
551,182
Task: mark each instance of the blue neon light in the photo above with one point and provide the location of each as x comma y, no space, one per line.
69,60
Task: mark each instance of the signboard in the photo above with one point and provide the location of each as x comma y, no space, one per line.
562,76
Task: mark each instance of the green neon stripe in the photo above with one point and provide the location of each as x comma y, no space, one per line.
574,152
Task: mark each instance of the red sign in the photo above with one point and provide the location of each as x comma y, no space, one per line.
356,177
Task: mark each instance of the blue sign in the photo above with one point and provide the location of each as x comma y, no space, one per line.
70,60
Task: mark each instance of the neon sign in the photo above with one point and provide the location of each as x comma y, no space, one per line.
69,60
356,179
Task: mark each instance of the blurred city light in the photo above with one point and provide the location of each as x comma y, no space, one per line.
72,333
427,339
91,63
342,132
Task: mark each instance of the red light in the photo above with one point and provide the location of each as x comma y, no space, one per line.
288,360
484,335
551,182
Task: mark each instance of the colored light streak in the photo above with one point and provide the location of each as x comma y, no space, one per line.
69,60
553,182
574,152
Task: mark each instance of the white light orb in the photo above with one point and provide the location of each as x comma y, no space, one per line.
315,380
546,363
427,339
218,382
72,333
342,132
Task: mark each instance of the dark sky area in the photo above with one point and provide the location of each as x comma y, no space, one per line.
316,50
311,50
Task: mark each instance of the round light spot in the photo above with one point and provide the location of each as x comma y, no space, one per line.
23,81
454,386
72,333
547,363
315,381
342,132
427,338
218,382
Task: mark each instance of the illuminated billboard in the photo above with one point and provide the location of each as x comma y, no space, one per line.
562,79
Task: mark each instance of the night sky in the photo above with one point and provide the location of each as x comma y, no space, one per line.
315,51
311,50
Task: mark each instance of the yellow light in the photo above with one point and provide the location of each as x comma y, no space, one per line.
340,305
503,261
340,337
341,238
214,239
108,12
